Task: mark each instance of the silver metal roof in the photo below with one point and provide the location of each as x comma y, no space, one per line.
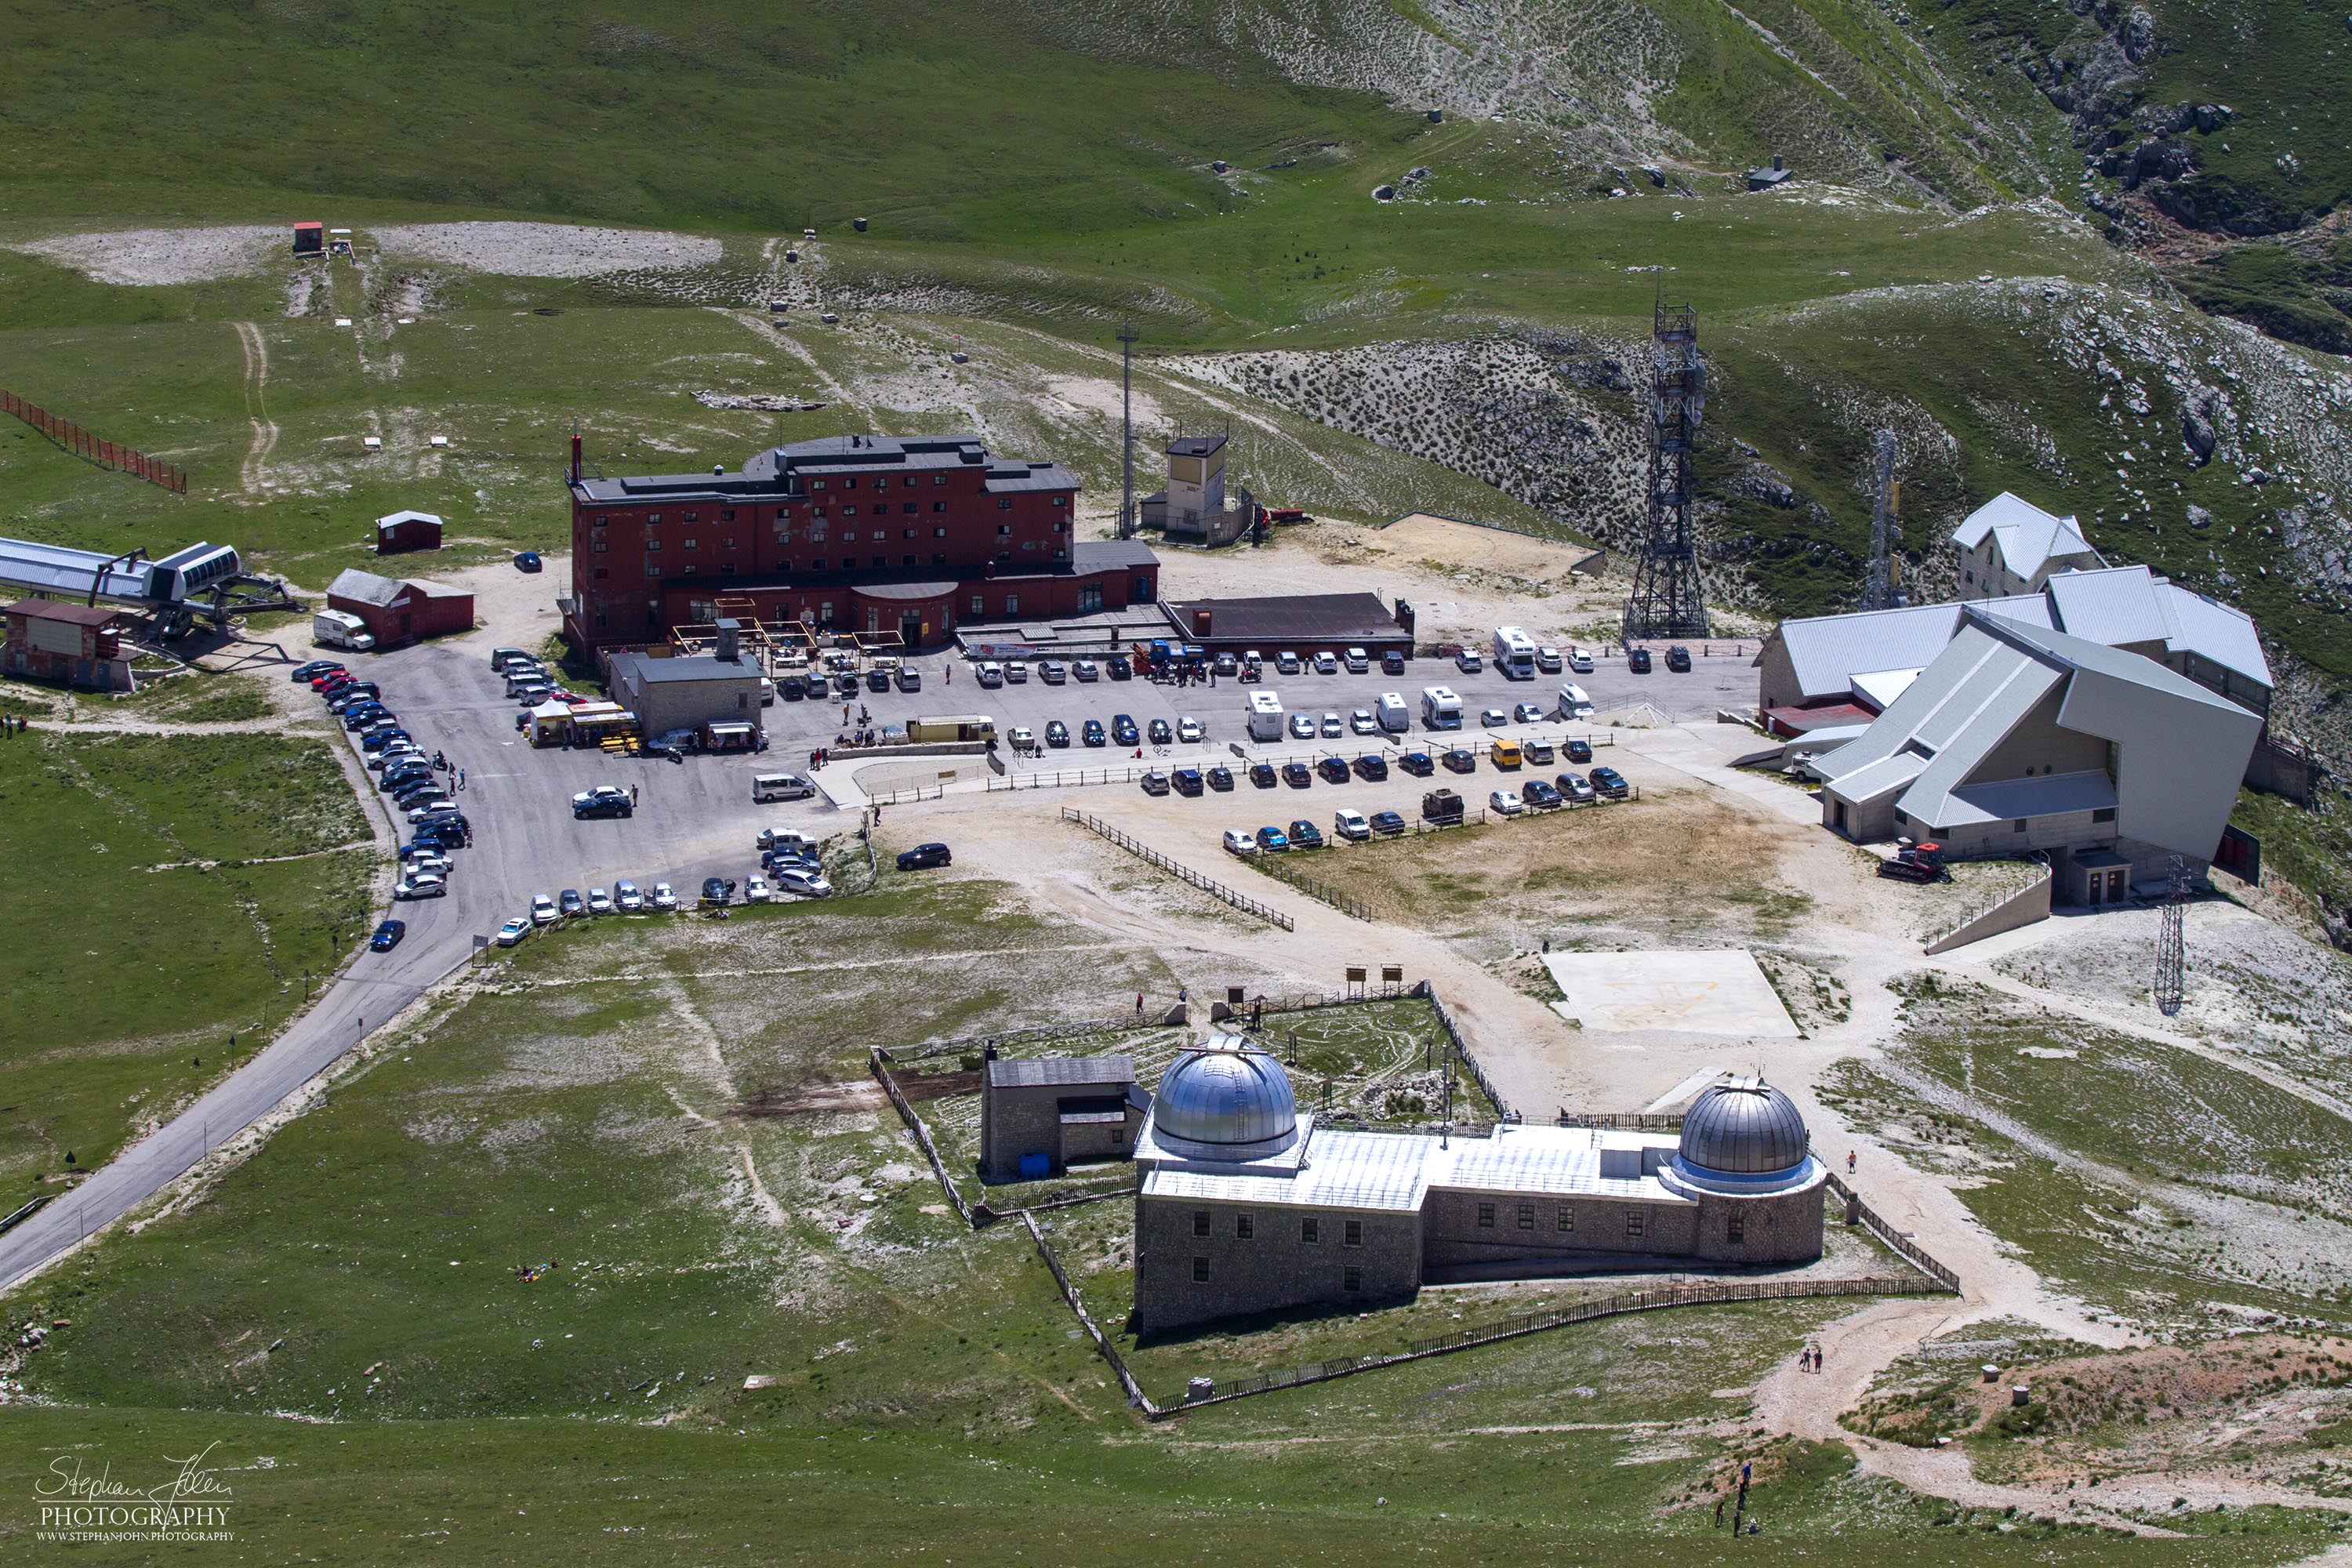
2116,606
2213,630
2029,538
367,587
56,569
1044,1072
1225,1100
1744,1128
1393,1171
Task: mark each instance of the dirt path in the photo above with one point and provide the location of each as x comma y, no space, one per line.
253,473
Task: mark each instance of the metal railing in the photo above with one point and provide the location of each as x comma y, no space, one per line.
979,1043
1183,873
1875,1223
1707,1294
2040,857
1063,778
81,443
1621,1121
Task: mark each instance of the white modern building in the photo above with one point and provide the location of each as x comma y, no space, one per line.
2009,546
2015,738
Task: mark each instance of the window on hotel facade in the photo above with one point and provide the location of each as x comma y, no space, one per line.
1004,503
817,564
939,506
1246,1228
1526,1216
1057,525
1143,590
727,542
1567,1219
690,545
906,561
1351,1278
1061,500
1354,1234
850,483
824,611
909,533
939,533
597,547
979,605
939,559
817,516
939,478
727,514
849,511
1089,599
1004,528
652,570
1199,1222
880,534
1200,1271
1012,604
602,574
1310,1230
1485,1216
599,619
1735,1228
602,520
653,545
910,506
880,562
1633,1222
692,516
816,484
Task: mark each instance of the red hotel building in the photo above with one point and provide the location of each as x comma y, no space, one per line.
910,535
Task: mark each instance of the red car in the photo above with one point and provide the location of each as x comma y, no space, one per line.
329,683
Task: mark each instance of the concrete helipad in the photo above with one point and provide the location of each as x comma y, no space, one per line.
1715,991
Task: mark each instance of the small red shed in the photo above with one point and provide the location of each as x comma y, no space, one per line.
401,610
56,639
406,530
309,239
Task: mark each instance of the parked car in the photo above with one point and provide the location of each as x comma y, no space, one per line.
1418,763
1548,661
1297,775
1494,718
1094,733
435,810
1087,669
1119,667
572,903
804,882
306,673
1239,843
1372,767
1015,673
1539,795
1123,730
1155,781
1058,733
1539,752
604,800
717,890
1679,660
1302,726
1191,731
1187,780
1575,789
1393,662
600,902
1273,840
1022,738
1220,777
1525,713
1263,774
511,933
543,912
1638,660
1052,672
1305,835
665,897
1459,760
1349,823
1610,784
1334,769
1162,733
909,678
387,935
393,755
420,887
1334,727
1579,661
376,739
1326,664
1287,663
756,890
1226,664
1362,723
527,560
428,864
1580,752
924,855
1388,824
1356,660
357,691
1468,662
1505,801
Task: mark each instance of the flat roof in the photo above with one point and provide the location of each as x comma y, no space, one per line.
787,469
685,669
64,610
1303,617
1055,1072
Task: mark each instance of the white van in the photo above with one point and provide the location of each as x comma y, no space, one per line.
1394,716
1573,702
1264,716
781,787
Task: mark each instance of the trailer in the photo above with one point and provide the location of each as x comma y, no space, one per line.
1440,708
1515,653
1264,716
341,628
1394,716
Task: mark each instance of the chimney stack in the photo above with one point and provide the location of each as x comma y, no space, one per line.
729,632
576,456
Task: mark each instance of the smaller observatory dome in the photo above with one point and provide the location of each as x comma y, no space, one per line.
1227,1100
1744,1128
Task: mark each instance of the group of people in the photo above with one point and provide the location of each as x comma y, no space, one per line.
11,726
1809,1359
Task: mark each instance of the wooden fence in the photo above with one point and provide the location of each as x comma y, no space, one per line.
876,1062
1461,1050
1875,1223
1216,890
82,444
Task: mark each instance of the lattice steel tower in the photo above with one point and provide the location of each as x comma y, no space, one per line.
2171,955
1666,601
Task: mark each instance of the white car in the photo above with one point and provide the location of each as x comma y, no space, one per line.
1302,725
1548,661
989,674
379,761
1357,660
1239,843
1334,726
1022,738
1017,673
444,807
429,865
600,902
1581,660
756,890
628,899
1052,672
1362,723
1190,729
425,886
1494,718
1469,661
1350,823
1506,801
803,883
1527,713
543,912
1087,669
1326,664
511,933
1287,662
665,895
784,838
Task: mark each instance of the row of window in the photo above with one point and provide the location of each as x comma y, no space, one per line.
1310,1228
653,519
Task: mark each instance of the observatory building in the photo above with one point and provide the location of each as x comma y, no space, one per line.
1243,1205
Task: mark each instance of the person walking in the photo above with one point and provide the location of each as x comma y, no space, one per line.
1139,1004
632,795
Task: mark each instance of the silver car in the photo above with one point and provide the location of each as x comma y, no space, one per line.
627,898
1334,726
1302,725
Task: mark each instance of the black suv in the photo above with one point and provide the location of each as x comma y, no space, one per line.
1417,763
1638,661
1371,766
1334,769
1679,660
1118,667
1461,759
1610,784
1296,775
1580,752
1123,730
1262,774
1305,835
924,855
1220,777
1392,663
1186,780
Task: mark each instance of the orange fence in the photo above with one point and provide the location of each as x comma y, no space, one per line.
76,439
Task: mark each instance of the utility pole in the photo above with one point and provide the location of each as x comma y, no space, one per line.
1127,340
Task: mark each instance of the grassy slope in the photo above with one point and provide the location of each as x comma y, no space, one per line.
120,974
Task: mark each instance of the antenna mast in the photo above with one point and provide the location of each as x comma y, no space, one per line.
1878,588
1667,601
1127,340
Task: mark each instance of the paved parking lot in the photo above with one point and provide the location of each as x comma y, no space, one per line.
796,729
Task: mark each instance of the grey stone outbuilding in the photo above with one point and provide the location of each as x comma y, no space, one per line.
1039,1116
688,692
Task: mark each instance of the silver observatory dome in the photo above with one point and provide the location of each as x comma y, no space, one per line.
1744,1128
1226,1100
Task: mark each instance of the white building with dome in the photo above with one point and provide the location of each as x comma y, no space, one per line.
1245,1204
